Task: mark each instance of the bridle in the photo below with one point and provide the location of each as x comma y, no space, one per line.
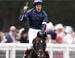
38,47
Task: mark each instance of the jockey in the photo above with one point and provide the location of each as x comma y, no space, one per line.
37,19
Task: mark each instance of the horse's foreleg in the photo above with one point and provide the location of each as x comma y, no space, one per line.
47,56
25,56
30,55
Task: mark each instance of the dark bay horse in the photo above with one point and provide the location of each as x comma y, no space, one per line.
38,49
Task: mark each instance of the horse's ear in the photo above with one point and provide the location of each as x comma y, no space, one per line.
45,34
38,34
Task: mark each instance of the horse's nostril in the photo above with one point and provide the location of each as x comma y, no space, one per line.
40,53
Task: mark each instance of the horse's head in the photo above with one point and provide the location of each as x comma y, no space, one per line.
39,44
42,36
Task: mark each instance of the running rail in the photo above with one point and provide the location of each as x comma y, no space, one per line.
10,49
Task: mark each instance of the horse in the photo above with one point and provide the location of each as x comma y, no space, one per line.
38,49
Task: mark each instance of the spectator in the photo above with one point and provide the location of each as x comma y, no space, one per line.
53,36
49,27
50,31
59,29
19,33
24,37
73,36
68,39
48,40
11,36
2,37
59,40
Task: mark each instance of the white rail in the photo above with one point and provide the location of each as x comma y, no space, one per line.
10,49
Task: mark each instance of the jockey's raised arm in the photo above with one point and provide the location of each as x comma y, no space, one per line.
24,13
25,16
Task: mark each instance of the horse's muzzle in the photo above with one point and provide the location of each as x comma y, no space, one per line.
40,53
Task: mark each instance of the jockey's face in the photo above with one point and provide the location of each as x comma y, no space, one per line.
38,7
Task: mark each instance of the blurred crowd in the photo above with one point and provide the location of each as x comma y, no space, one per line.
14,36
56,34
60,34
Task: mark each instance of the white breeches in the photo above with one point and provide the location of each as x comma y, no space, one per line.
32,33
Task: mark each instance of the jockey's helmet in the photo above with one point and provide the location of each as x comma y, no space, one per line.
37,2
